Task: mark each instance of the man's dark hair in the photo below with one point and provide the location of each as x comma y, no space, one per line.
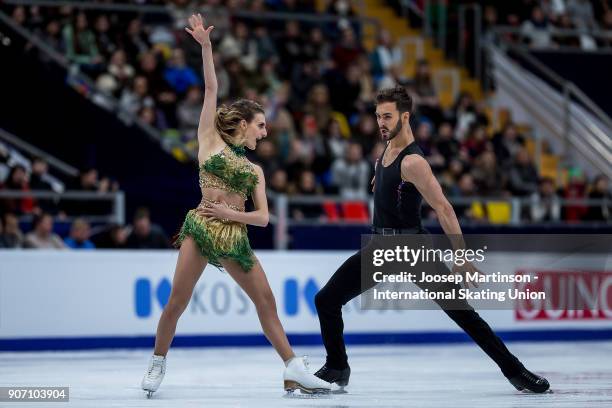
399,95
141,212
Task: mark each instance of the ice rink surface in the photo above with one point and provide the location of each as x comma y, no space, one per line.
382,376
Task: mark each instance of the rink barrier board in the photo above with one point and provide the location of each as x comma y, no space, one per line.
113,299
255,340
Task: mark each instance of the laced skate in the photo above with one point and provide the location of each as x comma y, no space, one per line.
154,375
297,377
527,381
334,376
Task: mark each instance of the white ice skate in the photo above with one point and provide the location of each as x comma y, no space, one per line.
154,375
297,377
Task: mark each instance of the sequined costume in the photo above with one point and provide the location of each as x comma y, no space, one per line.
227,170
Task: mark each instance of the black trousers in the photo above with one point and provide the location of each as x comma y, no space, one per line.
345,284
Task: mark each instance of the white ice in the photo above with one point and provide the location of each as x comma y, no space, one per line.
382,376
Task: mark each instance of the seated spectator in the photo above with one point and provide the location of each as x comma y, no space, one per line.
146,235
307,186
465,189
135,40
80,42
351,174
278,181
118,75
290,48
565,23
319,105
12,236
53,37
507,143
314,146
113,237
178,74
385,55
17,181
449,177
545,203
537,30
489,178
600,190
239,44
347,51
265,156
188,113
446,143
134,99
105,37
79,235
427,100
575,190
366,133
88,181
393,76
581,12
464,112
476,141
39,181
523,178
42,236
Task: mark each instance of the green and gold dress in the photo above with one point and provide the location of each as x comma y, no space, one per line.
231,171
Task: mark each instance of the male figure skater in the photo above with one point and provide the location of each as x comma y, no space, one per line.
402,179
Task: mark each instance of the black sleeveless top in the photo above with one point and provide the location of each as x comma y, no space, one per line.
397,203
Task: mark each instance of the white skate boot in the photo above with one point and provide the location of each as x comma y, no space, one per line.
154,375
297,377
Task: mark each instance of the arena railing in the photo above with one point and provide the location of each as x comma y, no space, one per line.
282,221
581,128
33,151
116,200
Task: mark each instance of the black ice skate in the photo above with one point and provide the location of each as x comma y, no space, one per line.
334,376
528,381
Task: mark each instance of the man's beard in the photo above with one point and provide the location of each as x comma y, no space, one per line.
393,132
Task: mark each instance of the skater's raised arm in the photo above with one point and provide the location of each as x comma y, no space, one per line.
201,33
258,217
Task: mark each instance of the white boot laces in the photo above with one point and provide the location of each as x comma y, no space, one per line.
156,364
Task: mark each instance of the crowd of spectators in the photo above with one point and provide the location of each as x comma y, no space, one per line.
141,234
541,21
317,84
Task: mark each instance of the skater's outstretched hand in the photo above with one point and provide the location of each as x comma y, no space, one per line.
198,29
464,269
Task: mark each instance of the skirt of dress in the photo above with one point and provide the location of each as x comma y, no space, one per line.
218,239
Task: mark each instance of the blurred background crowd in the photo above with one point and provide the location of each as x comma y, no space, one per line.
317,83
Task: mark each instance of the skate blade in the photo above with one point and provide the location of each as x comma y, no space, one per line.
296,390
526,391
339,390
149,394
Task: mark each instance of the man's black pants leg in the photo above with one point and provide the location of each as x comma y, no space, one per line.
345,285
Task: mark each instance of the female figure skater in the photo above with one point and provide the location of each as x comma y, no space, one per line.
215,232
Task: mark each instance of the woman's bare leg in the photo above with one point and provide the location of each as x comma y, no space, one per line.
256,286
189,267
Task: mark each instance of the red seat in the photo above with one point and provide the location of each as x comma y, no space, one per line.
355,211
331,210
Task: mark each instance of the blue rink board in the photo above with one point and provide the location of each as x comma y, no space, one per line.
251,340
